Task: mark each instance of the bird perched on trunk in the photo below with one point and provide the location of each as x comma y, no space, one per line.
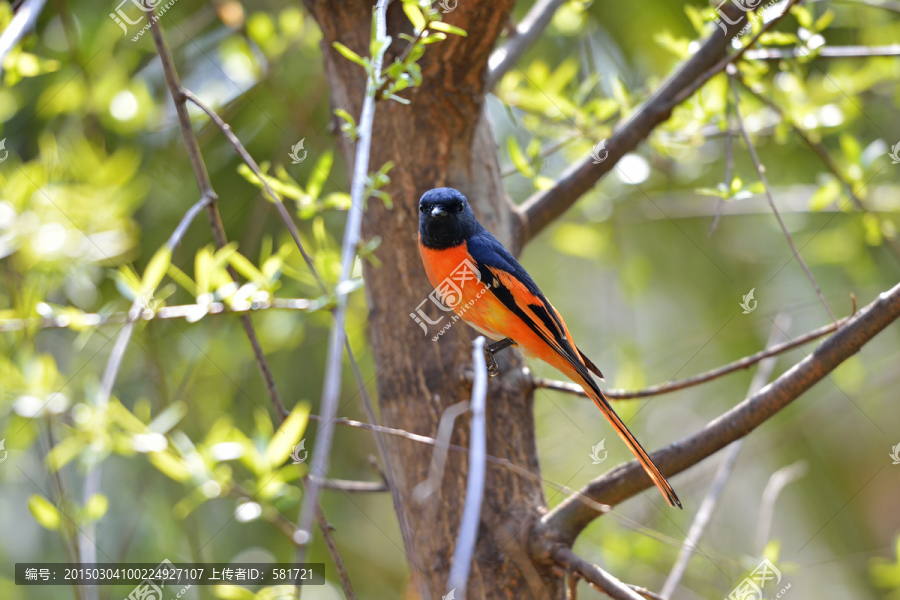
491,291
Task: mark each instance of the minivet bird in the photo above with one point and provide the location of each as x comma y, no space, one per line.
464,261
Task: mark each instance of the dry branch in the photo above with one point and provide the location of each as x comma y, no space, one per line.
569,518
527,32
672,386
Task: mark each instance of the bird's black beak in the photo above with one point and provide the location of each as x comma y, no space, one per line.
437,211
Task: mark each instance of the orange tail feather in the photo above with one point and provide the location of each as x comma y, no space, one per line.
635,446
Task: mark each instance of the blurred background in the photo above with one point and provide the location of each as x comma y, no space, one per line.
96,179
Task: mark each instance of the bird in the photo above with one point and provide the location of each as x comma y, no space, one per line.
489,290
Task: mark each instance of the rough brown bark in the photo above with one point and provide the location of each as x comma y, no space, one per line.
441,139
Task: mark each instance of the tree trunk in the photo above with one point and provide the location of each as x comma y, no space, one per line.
441,139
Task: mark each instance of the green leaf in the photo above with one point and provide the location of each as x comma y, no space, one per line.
246,268
399,99
433,37
170,465
803,16
447,28
169,418
319,174
96,507
825,195
287,436
350,54
44,512
156,269
415,16
850,146
518,158
63,452
824,21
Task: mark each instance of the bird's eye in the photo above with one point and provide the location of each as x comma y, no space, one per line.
459,207
423,209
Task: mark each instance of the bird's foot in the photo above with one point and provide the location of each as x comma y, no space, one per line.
492,369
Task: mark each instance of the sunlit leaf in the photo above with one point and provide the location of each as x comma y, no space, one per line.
44,512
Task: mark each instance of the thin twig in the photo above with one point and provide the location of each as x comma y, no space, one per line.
777,482
345,485
729,168
325,528
672,386
761,171
334,362
593,574
19,26
704,513
823,154
471,515
565,521
823,52
544,153
206,190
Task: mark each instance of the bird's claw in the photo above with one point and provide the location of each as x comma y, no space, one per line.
492,369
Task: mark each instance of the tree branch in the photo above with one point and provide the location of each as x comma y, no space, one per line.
526,34
471,515
18,28
545,206
673,386
593,574
569,518
334,362
325,528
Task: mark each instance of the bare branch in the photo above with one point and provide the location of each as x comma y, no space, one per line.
471,515
325,528
565,521
761,171
672,386
439,456
823,52
334,362
207,192
701,519
18,28
605,582
777,482
543,207
526,34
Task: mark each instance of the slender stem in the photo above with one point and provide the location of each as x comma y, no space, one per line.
761,171
593,574
729,168
698,526
777,482
471,515
325,528
823,52
672,386
334,362
439,456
